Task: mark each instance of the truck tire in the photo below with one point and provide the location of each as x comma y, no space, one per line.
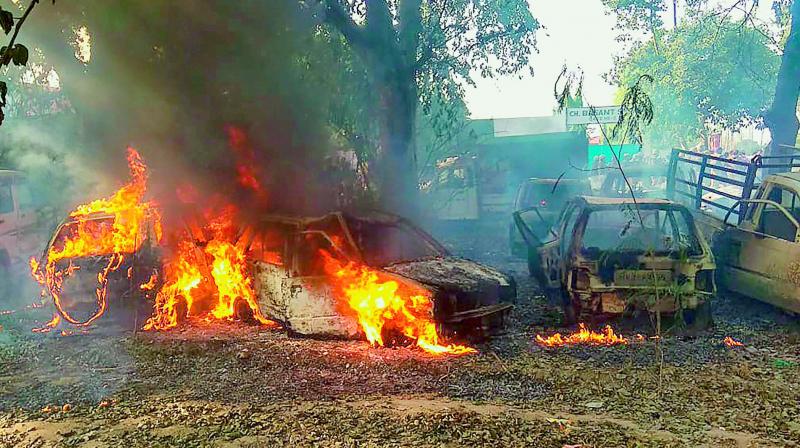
570,315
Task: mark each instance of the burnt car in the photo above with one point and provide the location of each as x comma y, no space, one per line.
80,297
607,256
545,198
290,280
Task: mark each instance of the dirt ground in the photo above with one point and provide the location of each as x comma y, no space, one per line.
239,386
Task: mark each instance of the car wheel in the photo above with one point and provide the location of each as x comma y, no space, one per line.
699,318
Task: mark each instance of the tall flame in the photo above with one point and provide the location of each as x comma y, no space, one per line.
129,212
206,283
382,305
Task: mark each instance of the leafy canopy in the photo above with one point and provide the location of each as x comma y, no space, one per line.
705,72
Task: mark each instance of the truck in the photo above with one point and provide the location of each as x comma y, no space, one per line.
751,211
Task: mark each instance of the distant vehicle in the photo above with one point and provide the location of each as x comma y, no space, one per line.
20,228
646,182
754,222
611,255
468,297
545,198
504,152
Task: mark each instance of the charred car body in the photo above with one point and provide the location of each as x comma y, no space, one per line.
293,287
614,255
289,277
75,286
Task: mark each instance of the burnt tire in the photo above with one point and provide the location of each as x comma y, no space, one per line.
699,318
570,315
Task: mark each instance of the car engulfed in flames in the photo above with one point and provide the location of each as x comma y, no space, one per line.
399,281
376,276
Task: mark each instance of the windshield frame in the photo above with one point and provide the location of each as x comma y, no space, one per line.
696,249
394,222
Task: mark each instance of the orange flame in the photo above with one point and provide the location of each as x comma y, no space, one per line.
583,336
151,283
383,305
195,287
247,175
48,326
730,342
182,277
125,235
232,281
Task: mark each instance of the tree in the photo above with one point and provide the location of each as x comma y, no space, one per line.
705,73
13,51
782,116
415,51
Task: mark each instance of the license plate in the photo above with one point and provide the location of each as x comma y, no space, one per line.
611,303
626,277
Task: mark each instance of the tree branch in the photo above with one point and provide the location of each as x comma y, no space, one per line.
337,16
410,18
17,28
379,18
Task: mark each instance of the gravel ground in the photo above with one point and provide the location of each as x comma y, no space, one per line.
241,386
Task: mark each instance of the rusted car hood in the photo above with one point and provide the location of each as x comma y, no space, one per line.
454,274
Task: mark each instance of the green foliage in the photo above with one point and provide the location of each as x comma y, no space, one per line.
426,52
13,52
462,37
704,72
637,15
6,20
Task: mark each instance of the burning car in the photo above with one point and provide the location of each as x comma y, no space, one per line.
79,278
612,255
302,265
339,275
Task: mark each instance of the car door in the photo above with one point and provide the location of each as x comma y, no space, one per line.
761,257
545,257
308,303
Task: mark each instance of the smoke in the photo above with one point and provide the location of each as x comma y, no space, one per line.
170,78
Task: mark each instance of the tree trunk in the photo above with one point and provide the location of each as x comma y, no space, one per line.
397,159
782,116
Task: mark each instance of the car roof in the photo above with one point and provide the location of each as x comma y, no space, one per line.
368,215
597,201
